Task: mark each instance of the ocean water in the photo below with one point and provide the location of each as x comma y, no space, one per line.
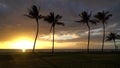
57,50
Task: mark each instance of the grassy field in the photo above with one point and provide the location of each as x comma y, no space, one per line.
59,60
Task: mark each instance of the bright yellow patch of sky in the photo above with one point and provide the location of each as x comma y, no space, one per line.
27,43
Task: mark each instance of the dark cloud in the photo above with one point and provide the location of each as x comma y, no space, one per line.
12,21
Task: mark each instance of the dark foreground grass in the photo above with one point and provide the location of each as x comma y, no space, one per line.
59,60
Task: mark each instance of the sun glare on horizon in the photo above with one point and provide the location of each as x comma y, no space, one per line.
23,50
26,43
23,44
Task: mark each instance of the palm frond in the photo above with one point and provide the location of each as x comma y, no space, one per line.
81,21
53,19
93,21
86,17
58,17
32,13
60,23
108,39
112,36
103,16
48,19
84,13
118,37
52,15
40,16
108,16
29,16
35,10
99,16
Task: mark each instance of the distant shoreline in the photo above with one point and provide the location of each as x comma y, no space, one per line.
57,50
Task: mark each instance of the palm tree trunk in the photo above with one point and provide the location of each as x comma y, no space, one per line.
53,39
103,37
115,45
88,38
36,35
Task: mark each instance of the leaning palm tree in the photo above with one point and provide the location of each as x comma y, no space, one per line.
113,37
103,17
34,14
54,20
86,18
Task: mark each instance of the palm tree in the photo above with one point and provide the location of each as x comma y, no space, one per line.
103,17
113,37
34,14
86,18
54,20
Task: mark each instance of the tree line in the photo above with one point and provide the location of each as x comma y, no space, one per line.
85,17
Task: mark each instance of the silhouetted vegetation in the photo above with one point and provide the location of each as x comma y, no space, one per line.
103,17
86,18
53,20
65,59
113,37
34,14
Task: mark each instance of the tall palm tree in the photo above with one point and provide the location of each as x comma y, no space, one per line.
34,14
113,37
86,18
103,17
53,20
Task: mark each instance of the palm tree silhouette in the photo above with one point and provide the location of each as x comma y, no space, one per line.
54,20
86,18
103,17
113,37
34,14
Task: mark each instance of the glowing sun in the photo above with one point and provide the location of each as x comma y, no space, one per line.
23,44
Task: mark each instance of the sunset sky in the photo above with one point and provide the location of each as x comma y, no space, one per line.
18,31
